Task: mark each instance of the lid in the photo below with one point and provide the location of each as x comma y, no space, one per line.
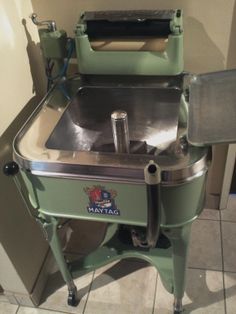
212,108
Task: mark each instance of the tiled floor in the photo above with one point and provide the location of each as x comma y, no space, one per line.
132,286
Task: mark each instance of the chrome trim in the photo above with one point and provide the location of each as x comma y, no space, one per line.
174,179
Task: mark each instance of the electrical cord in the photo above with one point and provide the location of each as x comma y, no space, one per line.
62,73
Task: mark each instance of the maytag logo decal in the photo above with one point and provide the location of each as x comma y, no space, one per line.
101,200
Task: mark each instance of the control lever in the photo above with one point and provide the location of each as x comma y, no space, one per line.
152,176
50,23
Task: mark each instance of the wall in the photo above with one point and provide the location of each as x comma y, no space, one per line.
16,44
22,248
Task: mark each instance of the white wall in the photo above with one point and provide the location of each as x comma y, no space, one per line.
15,75
23,247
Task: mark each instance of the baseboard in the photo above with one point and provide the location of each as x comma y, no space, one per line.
212,201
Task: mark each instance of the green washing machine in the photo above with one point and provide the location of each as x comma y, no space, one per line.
126,142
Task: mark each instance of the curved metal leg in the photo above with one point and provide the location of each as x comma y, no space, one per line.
179,238
50,228
178,307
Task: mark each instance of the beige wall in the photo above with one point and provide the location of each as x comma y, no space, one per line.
17,85
23,247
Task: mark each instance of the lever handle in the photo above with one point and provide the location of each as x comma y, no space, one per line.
50,23
11,168
152,174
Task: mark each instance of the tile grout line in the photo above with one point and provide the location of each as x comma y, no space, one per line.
210,269
222,258
226,220
155,293
90,286
208,219
47,309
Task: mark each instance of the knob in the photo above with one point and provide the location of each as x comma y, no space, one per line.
11,168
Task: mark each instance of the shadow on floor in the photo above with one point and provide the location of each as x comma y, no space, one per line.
121,269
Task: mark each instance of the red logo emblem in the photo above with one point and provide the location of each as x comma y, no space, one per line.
101,200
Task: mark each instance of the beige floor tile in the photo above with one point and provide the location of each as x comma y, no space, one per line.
205,245
123,287
229,245
212,214
230,292
7,308
56,292
30,310
3,298
229,214
204,294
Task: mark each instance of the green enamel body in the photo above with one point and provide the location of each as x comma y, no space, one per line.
169,62
62,197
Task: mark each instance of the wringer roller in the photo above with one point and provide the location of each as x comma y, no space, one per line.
126,142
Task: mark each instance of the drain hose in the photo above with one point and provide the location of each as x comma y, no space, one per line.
152,175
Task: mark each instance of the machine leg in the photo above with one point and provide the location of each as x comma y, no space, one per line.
178,307
179,238
50,227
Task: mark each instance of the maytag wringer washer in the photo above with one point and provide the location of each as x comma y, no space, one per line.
127,141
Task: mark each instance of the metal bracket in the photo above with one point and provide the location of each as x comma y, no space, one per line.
43,226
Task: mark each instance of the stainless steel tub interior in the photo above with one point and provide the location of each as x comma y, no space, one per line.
86,125
49,143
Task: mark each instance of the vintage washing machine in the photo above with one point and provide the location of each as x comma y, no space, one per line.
127,141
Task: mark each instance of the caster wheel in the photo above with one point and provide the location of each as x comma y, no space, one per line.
72,299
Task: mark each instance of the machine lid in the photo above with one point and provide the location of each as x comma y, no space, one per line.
212,108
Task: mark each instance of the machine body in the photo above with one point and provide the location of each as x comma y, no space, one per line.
142,177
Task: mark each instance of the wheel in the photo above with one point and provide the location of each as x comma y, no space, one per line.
72,299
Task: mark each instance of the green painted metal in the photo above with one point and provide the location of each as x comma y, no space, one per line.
114,250
184,202
50,226
169,62
67,198
170,263
53,44
181,204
